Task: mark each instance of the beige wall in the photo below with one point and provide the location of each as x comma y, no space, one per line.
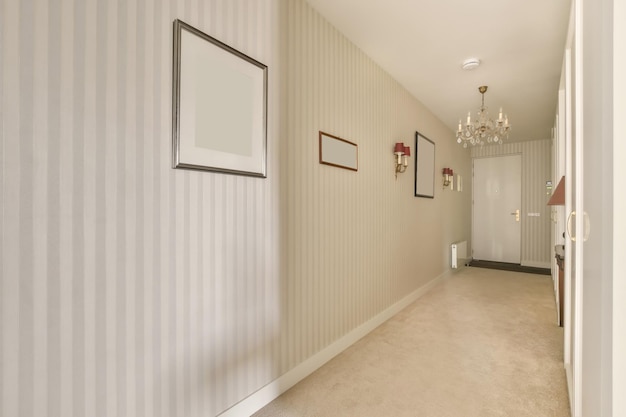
536,170
357,241
129,288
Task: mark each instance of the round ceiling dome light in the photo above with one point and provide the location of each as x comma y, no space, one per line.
471,63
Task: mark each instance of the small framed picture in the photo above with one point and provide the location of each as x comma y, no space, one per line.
338,152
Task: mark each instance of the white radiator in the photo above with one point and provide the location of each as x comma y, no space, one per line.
458,252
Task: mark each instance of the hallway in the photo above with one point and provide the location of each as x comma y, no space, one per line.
481,343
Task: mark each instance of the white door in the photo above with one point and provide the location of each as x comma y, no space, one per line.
496,214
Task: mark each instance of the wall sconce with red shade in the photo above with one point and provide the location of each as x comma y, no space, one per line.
402,157
448,174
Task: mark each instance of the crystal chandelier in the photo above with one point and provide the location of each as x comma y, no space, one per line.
483,129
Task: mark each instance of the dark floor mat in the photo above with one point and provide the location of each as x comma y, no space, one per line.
509,267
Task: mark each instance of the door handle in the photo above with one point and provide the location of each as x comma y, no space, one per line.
516,214
568,226
586,226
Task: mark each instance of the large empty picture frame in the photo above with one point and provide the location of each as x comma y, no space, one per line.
338,152
219,106
424,166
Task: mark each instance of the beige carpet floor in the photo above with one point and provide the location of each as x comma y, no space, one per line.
481,343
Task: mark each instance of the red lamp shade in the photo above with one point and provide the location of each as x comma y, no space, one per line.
407,150
451,171
399,148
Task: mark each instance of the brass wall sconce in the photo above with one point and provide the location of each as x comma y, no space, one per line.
402,154
448,175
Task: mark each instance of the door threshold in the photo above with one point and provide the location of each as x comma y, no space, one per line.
505,266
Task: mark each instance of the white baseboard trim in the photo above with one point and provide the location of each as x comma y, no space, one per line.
546,265
274,389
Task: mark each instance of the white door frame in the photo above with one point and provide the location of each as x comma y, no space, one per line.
619,206
573,186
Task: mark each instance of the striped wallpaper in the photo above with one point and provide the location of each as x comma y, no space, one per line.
358,241
536,170
132,289
128,288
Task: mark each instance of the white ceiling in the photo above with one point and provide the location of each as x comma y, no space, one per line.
422,44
